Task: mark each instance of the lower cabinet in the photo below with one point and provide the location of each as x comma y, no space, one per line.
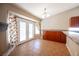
57,36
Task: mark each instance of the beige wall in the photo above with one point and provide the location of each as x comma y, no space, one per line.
0,11
4,9
3,44
60,21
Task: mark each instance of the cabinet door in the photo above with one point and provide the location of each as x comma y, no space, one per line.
74,21
49,35
62,37
57,36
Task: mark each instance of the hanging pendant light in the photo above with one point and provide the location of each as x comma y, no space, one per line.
45,13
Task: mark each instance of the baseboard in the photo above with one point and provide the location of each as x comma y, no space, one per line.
9,51
69,50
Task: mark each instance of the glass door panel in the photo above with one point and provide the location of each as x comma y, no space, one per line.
31,30
22,31
37,31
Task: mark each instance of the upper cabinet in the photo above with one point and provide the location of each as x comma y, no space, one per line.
74,21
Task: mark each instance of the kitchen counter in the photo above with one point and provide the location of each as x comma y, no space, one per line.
73,35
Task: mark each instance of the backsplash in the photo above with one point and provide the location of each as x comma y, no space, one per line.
74,30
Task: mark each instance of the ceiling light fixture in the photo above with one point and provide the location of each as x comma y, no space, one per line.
45,13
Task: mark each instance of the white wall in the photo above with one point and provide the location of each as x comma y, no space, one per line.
60,21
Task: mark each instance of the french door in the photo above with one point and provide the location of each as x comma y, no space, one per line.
22,30
26,30
31,30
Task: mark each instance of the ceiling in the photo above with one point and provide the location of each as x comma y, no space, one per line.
37,9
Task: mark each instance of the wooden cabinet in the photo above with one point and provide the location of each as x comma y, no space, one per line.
74,21
57,36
